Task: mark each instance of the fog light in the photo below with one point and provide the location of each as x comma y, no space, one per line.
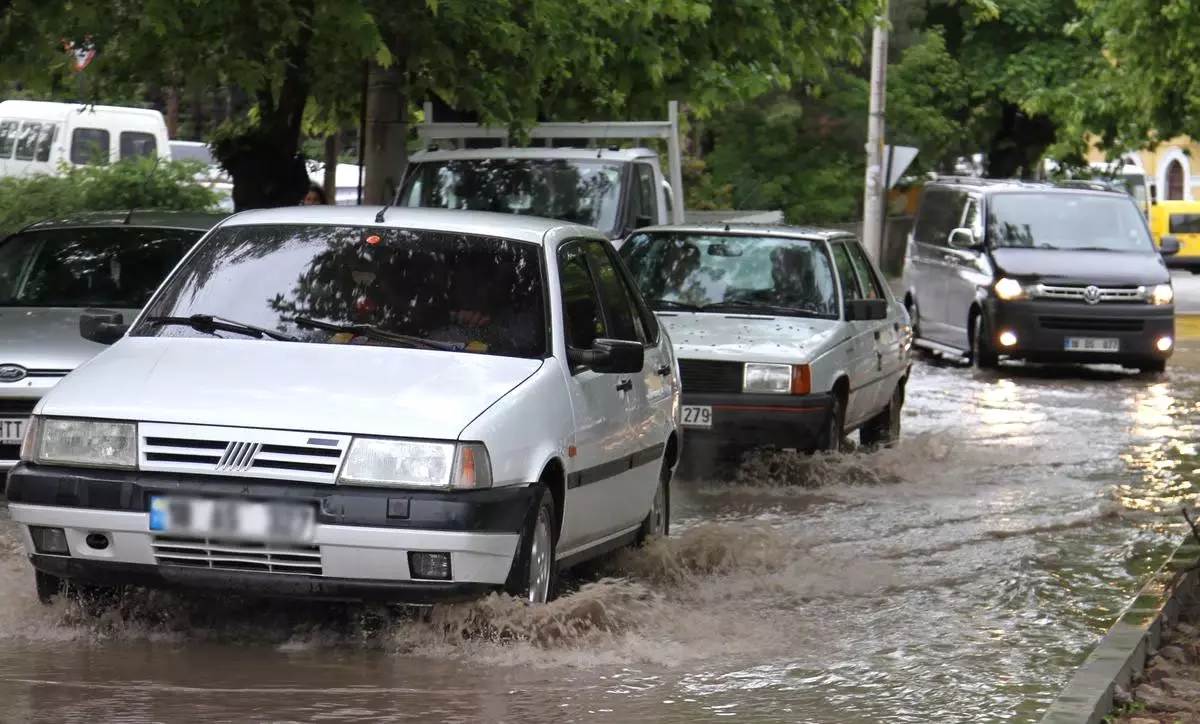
1164,344
1007,338
52,541
96,541
430,566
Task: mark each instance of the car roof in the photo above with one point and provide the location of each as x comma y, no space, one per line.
569,154
532,229
819,233
1001,186
198,221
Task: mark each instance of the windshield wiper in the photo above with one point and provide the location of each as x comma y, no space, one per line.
748,305
210,323
370,331
669,304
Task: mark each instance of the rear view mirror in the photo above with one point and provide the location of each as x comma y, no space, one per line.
102,326
1168,245
865,310
962,238
611,356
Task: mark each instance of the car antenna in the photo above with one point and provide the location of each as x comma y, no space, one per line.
379,217
726,226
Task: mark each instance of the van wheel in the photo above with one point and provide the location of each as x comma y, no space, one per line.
884,428
658,520
982,354
535,572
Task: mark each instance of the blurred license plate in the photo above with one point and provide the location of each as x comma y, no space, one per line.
1091,344
232,519
12,430
697,416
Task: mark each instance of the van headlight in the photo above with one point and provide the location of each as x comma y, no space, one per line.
416,464
1161,294
87,443
1008,289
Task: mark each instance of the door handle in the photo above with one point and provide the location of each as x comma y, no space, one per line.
625,385
664,370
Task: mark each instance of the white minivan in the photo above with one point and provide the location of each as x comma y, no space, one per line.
35,136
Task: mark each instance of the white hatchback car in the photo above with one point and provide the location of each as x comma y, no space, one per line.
787,337
415,405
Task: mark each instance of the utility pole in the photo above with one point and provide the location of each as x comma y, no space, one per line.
875,193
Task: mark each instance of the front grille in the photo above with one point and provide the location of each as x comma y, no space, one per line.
17,405
240,452
1077,293
708,376
1091,324
237,556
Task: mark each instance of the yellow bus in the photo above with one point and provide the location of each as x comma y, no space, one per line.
1180,219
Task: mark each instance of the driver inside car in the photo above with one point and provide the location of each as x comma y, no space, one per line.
480,317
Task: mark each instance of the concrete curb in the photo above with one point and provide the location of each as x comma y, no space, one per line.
1122,653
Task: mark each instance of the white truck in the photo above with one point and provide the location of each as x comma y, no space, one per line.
36,135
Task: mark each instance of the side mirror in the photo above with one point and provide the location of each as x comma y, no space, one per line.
866,310
962,238
102,326
610,356
1168,245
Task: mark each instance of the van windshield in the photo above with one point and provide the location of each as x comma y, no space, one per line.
1100,222
117,266
328,284
730,272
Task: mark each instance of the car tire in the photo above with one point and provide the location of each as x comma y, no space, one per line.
534,576
657,522
982,354
884,429
833,435
1153,367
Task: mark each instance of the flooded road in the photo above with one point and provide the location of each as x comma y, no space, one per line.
959,577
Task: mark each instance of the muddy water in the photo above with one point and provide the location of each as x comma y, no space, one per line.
958,577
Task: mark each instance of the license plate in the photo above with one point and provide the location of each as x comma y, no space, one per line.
1091,344
12,430
232,519
697,416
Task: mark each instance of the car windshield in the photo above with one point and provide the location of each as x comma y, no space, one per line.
112,266
1105,222
331,284
581,192
724,272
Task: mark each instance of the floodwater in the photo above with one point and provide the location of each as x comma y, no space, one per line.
959,577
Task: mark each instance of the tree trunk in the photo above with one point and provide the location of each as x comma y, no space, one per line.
173,112
332,149
385,152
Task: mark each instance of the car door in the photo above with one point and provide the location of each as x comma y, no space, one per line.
886,333
966,270
861,363
648,404
941,210
596,472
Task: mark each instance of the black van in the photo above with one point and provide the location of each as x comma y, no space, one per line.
1040,272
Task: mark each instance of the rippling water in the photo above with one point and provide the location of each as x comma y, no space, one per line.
958,577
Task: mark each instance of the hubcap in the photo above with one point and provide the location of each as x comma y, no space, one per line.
539,560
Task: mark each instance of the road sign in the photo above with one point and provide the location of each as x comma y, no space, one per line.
899,157
82,52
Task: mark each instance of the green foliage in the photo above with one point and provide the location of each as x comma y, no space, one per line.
127,184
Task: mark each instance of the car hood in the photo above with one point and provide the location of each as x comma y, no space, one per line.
745,338
372,390
1082,267
46,338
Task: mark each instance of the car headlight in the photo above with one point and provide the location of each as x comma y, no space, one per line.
1008,289
411,463
1161,294
769,378
87,443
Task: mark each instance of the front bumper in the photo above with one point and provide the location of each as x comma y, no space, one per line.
359,551
1042,328
745,420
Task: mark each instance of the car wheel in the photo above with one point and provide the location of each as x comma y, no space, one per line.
658,520
835,424
1153,367
982,354
535,574
884,428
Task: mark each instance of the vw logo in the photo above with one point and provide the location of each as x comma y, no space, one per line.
12,373
1091,295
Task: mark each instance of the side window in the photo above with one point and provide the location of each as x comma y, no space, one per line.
623,320
941,211
972,219
27,141
89,146
135,144
647,194
581,304
866,275
670,204
46,141
845,269
8,138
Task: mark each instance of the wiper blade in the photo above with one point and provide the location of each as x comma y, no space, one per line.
370,331
669,304
748,305
210,323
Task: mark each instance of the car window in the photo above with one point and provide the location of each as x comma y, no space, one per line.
135,144
89,146
8,138
1072,220
973,220
868,282
643,201
463,292
82,267
580,299
850,286
940,212
29,141
619,313
722,272
1178,223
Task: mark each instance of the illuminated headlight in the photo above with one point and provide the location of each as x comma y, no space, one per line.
1007,289
87,443
1161,294
768,378
413,464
